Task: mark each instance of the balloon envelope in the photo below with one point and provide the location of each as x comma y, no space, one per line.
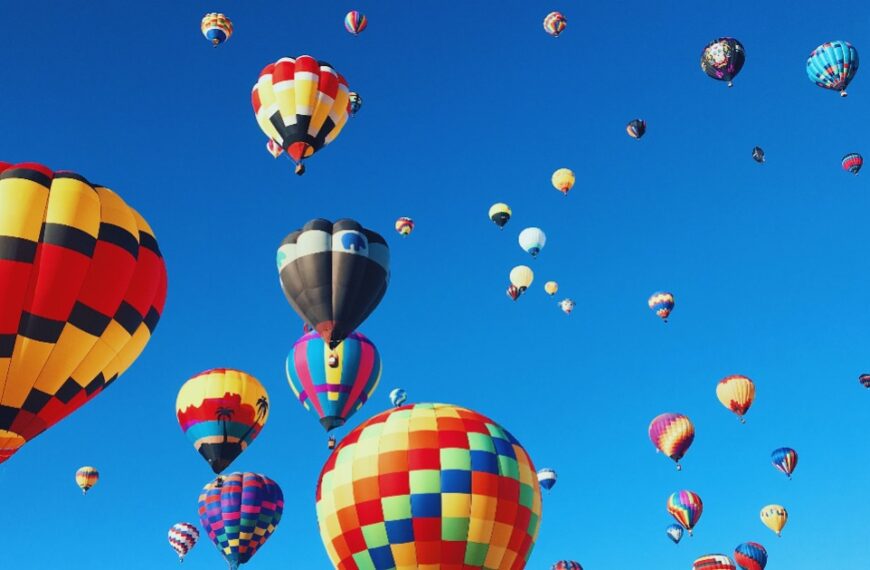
521,277
355,22
661,303
832,65
532,240
736,393
398,397
86,478
785,459
686,508
555,23
182,537
750,556
672,434
500,213
216,28
852,162
675,533
547,478
713,562
563,180
723,58
774,517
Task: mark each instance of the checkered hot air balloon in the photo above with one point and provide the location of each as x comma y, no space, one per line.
713,562
672,434
737,394
722,59
853,162
833,65
355,22
686,508
216,28
301,104
333,389
750,556
555,23
661,303
785,459
429,486
239,512
182,537
86,478
83,288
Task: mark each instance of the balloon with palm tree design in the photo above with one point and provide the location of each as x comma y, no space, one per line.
222,411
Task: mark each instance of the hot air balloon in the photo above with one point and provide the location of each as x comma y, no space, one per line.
301,104
513,292
636,128
672,434
334,275
521,277
532,240
216,28
686,508
398,397
355,22
183,537
864,379
785,459
832,65
774,517
750,556
758,155
567,305
500,214
547,478
456,489
551,287
239,512
566,565
222,411
853,162
555,23
713,562
662,303
274,148
722,59
404,226
87,477
83,286
675,533
736,393
354,102
563,180
333,383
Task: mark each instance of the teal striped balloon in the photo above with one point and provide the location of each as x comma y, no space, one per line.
832,65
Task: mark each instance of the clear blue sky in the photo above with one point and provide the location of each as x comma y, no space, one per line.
467,104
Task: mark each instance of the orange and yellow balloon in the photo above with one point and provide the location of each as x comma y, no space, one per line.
86,478
736,393
563,180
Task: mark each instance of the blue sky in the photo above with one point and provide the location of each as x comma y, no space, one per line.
466,105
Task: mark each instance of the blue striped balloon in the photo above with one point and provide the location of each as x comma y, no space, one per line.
750,556
785,459
675,533
547,478
832,65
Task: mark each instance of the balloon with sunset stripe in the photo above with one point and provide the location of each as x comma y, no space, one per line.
785,459
82,287
686,508
216,28
661,303
182,537
852,162
301,104
737,394
713,562
239,512
750,556
333,383
672,434
832,65
222,411
86,478
355,22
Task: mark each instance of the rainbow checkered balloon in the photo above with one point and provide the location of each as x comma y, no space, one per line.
429,486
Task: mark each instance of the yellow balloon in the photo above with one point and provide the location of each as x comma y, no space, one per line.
737,394
563,180
521,277
551,287
774,517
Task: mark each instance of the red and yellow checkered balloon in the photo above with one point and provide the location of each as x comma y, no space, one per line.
429,486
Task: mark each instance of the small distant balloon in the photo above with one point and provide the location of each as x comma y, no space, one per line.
555,23
182,538
551,287
404,226
832,65
563,180
864,379
737,394
532,240
500,214
774,517
547,478
566,565
86,478
354,103
785,459
355,22
636,128
398,397
513,292
750,556
661,303
675,533
567,305
521,277
722,59
853,162
758,155
216,28
672,434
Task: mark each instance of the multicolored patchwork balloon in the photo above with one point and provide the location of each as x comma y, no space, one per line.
333,384
429,486
832,65
566,565
722,59
675,533
182,537
86,478
774,517
239,512
737,394
686,508
547,478
555,23
853,162
661,303
222,411
672,434
404,226
83,286
713,562
355,22
785,459
750,556
216,28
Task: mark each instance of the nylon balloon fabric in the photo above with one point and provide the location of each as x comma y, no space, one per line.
832,65
750,556
784,459
672,434
334,275
86,478
429,486
722,59
216,28
239,512
736,393
686,508
713,562
82,287
182,537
